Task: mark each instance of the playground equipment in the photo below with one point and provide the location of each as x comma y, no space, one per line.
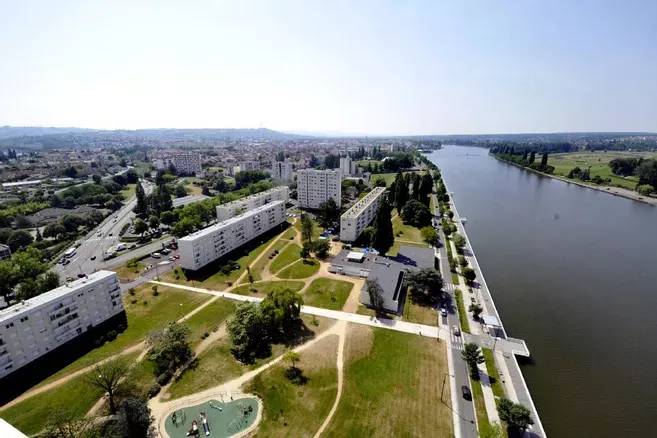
204,420
179,418
194,430
240,421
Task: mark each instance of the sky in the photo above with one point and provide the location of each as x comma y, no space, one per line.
372,67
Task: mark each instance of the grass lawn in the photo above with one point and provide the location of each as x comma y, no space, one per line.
297,410
256,268
364,310
129,273
480,404
406,232
419,314
209,318
493,373
317,230
463,316
141,375
301,269
599,163
195,190
289,234
389,177
327,293
290,254
129,191
142,320
265,287
391,386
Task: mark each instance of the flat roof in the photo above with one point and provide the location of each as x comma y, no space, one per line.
362,204
416,256
491,320
389,275
179,202
254,196
54,294
353,255
211,229
342,260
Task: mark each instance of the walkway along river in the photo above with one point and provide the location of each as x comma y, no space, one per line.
572,272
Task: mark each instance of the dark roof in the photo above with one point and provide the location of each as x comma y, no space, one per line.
389,275
415,256
341,260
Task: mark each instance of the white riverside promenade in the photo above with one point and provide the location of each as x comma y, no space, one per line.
514,373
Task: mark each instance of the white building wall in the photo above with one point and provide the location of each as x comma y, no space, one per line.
345,165
316,186
186,163
249,165
282,171
41,324
228,210
205,246
360,215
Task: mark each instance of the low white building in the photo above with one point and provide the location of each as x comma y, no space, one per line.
35,327
185,163
281,170
360,215
205,246
249,165
230,209
316,186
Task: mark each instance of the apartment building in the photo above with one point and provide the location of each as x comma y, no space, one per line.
35,327
281,170
230,209
317,186
348,167
5,252
205,246
249,165
360,215
185,163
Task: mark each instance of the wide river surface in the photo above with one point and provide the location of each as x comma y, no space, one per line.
573,271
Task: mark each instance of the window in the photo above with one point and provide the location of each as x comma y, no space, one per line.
10,325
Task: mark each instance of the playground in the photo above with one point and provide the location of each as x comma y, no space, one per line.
213,418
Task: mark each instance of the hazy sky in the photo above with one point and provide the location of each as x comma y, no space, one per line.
371,66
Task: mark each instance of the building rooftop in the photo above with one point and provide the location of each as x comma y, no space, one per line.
54,294
254,196
178,202
209,230
343,259
362,204
416,256
390,276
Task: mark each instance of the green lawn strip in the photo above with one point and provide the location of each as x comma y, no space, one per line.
142,321
297,408
289,234
257,267
327,293
302,269
262,289
209,318
463,316
480,404
419,314
390,177
129,191
395,247
390,386
405,232
290,254
493,373
141,375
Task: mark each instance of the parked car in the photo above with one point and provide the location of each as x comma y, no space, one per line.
61,262
110,234
156,255
443,311
177,256
132,246
166,251
466,392
93,257
66,262
98,234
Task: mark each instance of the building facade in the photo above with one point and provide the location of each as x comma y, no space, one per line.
230,209
249,165
360,215
205,246
42,324
185,163
281,170
5,252
317,186
348,167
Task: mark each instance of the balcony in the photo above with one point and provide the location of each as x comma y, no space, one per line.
62,312
3,353
68,326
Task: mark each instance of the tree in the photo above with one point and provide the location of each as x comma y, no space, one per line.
426,284
313,161
106,377
470,275
22,222
307,228
8,279
416,214
248,333
63,423
180,191
459,242
184,227
71,222
476,310
170,348
379,181
401,191
71,172
645,189
430,235
206,191
472,356
368,236
375,292
321,248
424,188
292,357
167,218
19,239
120,180
140,227
524,155
329,213
5,233
280,156
384,237
305,251
154,222
281,309
516,416
131,176
142,206
39,238
53,229
544,159
134,420
532,157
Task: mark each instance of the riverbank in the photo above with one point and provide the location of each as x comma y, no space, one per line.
612,190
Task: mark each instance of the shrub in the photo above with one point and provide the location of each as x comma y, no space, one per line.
153,390
164,378
133,301
111,335
145,303
132,291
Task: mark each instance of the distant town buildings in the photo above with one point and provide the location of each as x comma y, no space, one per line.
281,170
185,163
35,327
317,186
5,252
249,165
360,215
231,209
205,246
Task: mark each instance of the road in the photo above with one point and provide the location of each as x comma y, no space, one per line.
94,245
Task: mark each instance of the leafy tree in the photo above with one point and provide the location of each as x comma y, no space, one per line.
516,416
524,155
532,157
332,161
39,238
401,191
430,235
368,236
280,156
106,377
97,179
313,161
19,239
167,218
281,308
470,275
140,227
459,242
416,213
425,283
180,191
384,237
476,310
248,331
463,261
9,278
134,420
5,233
142,206
154,222
292,357
328,213
645,189
246,177
206,191
379,181
375,292
305,251
120,180
472,356
544,159
71,222
131,176
307,228
22,222
71,172
321,248
424,188
184,227
170,348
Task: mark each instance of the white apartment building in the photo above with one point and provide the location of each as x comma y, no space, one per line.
185,163
348,167
317,186
281,170
41,324
230,209
360,215
205,246
249,165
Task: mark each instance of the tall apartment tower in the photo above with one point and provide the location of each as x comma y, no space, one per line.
281,170
316,186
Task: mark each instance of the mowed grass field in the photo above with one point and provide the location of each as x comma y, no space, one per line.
327,293
598,162
392,386
390,177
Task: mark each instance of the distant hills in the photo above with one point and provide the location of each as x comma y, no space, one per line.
18,131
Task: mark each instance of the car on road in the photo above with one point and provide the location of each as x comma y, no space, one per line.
81,275
172,258
166,251
132,246
98,234
93,257
156,255
66,262
443,311
177,256
466,392
110,234
61,262
456,331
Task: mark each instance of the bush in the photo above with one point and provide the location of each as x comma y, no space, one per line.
153,390
111,335
145,303
133,301
164,378
100,341
132,291
124,228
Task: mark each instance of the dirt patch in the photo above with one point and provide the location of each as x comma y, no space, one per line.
359,342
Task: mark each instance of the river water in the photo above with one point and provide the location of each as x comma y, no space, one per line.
573,272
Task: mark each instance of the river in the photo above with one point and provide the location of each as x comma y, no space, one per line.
573,272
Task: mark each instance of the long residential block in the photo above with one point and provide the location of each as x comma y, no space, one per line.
205,246
185,163
231,209
41,324
360,215
317,186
